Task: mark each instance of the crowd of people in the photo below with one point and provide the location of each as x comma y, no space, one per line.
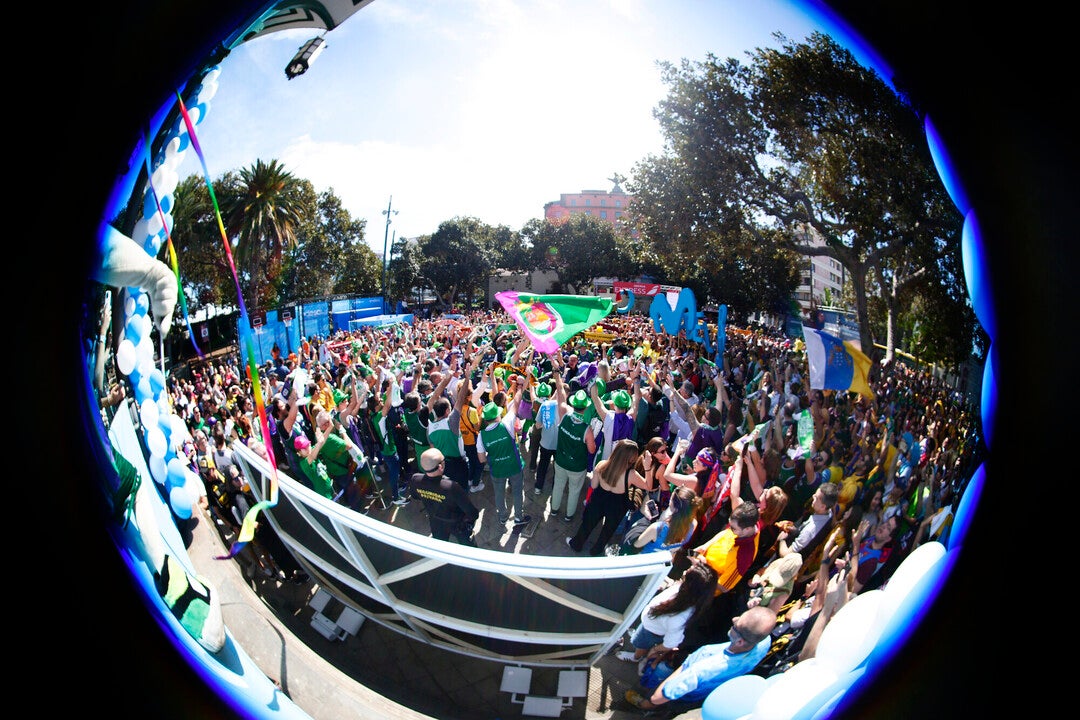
777,501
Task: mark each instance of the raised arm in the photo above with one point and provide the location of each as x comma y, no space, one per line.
735,480
438,392
755,470
601,411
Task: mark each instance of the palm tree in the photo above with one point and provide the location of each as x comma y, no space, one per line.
262,219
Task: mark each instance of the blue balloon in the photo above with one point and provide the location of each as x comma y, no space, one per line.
157,380
176,471
629,302
143,389
142,303
149,207
152,244
180,501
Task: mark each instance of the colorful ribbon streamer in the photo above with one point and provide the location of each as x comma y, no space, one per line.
247,527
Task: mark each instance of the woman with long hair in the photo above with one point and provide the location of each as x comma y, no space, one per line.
664,620
651,467
608,500
674,527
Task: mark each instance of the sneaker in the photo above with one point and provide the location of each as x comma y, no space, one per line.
477,487
504,520
401,500
537,491
626,656
634,698
568,543
567,519
523,521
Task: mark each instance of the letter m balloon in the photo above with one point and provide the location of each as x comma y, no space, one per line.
684,316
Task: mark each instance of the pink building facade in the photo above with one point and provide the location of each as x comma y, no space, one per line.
609,206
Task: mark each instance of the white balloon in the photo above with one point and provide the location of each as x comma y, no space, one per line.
141,231
158,469
165,180
179,429
794,689
206,91
148,412
125,356
144,357
840,688
155,441
129,306
173,155
851,634
734,698
908,574
909,591
194,485
212,75
154,224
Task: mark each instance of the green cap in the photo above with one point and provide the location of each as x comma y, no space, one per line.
579,400
621,398
490,412
543,390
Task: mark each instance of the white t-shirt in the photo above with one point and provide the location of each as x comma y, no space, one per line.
671,627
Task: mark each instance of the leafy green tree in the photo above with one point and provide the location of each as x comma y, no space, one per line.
509,250
262,215
579,248
404,274
204,265
802,149
456,257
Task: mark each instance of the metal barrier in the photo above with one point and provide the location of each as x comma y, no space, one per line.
522,609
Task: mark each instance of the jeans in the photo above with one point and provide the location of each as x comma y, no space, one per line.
475,467
571,483
542,467
393,473
534,444
517,482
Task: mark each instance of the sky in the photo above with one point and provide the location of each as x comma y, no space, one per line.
471,108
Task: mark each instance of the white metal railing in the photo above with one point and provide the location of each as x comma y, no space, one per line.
517,608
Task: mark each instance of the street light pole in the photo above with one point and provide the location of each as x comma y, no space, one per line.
386,235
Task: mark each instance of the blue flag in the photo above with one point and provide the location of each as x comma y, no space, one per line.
836,364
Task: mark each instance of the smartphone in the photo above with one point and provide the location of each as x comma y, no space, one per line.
651,510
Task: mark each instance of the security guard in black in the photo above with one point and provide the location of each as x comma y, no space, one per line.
450,511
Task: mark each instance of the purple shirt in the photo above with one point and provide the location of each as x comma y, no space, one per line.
705,437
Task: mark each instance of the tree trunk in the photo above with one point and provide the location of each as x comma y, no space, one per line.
858,285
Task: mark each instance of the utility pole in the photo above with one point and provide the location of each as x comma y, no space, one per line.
386,236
